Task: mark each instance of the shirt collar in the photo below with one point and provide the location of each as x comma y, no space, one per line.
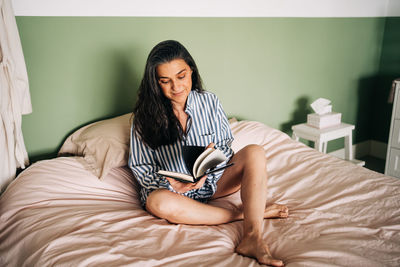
190,102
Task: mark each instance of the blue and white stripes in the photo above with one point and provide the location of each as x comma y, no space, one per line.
207,123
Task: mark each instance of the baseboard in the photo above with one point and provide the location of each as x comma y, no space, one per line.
372,148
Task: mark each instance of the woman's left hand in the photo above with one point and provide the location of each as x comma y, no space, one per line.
182,187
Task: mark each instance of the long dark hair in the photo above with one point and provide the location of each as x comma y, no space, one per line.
154,119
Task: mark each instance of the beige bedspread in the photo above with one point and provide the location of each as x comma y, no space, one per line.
58,214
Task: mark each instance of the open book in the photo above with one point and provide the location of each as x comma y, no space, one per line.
199,161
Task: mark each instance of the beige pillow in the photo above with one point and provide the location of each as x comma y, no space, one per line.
103,145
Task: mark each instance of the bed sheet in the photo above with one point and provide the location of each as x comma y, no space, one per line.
56,213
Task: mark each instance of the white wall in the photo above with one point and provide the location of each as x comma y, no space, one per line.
393,8
209,8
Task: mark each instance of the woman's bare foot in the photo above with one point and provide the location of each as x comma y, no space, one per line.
254,247
276,211
272,211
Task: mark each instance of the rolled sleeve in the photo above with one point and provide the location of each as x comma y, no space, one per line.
144,166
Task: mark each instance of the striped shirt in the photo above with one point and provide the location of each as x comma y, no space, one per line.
207,123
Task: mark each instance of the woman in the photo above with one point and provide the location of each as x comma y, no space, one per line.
173,110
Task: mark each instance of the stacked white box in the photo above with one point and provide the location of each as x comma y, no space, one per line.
325,120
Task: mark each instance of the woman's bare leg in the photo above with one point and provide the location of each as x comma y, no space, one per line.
180,209
249,173
176,208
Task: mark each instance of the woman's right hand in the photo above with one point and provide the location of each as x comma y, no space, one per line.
182,187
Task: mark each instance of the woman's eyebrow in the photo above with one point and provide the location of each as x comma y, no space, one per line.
162,77
181,71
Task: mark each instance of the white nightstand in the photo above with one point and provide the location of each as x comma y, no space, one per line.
320,137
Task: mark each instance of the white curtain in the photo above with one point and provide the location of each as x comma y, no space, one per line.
14,97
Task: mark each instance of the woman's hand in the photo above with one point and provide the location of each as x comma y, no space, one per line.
211,145
182,187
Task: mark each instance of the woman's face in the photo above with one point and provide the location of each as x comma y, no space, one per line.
175,80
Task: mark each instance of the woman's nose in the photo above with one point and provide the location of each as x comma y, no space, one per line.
176,85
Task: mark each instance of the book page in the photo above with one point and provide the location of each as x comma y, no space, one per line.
176,175
211,160
190,155
200,159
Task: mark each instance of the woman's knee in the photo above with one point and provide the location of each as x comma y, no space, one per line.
156,202
254,148
254,151
253,158
160,204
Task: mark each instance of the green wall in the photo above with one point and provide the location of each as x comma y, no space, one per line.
388,71
82,69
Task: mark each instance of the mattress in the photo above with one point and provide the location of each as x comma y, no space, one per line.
57,213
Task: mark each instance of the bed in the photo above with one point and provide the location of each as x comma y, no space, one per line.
83,209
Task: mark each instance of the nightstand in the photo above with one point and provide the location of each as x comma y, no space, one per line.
320,137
